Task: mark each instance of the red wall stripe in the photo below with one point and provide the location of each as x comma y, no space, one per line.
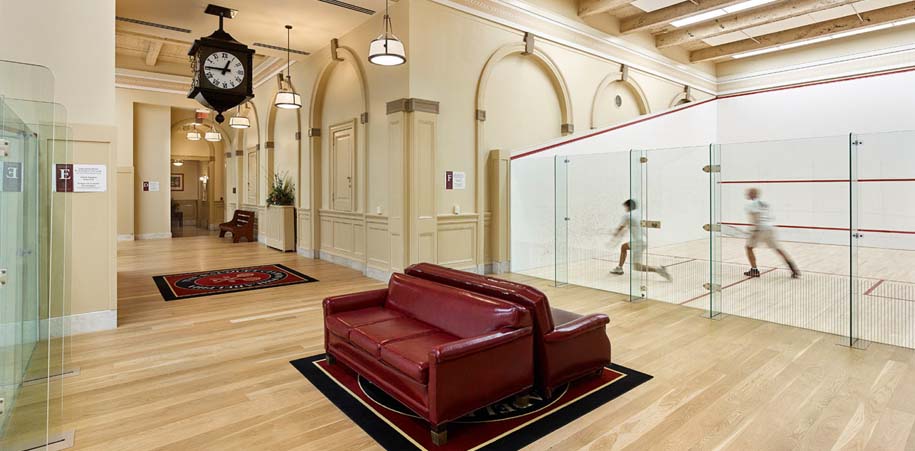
840,229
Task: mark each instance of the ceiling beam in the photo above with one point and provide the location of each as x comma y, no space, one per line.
152,55
852,22
591,7
659,20
736,22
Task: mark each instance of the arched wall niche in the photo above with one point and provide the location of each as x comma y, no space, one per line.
617,99
493,247
283,150
682,99
315,166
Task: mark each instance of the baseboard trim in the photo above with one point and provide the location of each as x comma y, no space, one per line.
343,261
154,236
125,237
497,268
310,253
378,274
81,323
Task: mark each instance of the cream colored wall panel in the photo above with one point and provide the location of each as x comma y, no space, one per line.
456,241
152,149
327,233
303,233
488,231
377,246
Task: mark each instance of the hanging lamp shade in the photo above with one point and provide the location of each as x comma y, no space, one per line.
288,100
286,97
193,135
386,49
239,122
178,162
213,136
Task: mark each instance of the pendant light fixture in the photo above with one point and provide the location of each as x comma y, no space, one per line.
286,97
193,135
238,120
178,163
213,136
386,49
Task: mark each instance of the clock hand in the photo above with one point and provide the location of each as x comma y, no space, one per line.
226,69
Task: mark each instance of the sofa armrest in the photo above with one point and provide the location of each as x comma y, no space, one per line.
577,327
472,373
473,345
354,301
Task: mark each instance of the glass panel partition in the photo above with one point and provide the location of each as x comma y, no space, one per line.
533,217
34,236
883,240
785,207
561,216
816,233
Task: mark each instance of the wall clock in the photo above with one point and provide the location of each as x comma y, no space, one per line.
222,77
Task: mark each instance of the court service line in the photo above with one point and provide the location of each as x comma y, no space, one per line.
729,286
873,287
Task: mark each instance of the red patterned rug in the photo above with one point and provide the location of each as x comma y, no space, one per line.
208,283
501,426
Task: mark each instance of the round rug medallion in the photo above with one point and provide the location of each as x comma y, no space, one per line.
230,279
501,411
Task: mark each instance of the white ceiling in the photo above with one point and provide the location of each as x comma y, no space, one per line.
315,23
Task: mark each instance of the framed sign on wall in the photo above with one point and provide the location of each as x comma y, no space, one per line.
177,182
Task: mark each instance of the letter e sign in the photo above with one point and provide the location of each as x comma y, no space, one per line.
63,176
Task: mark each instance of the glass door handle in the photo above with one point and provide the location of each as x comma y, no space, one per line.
3,277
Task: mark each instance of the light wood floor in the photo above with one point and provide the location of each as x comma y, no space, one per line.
213,373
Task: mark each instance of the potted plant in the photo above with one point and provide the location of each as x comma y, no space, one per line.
280,217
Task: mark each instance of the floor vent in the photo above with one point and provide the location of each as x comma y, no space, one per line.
282,49
152,24
349,6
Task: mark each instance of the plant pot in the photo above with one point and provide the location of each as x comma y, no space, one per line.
279,226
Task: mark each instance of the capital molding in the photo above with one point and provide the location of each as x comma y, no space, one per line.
412,105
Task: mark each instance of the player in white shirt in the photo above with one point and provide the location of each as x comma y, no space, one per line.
763,233
637,243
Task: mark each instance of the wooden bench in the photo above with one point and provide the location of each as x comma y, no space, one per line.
241,225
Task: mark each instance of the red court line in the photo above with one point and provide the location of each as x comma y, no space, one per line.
873,287
840,229
724,96
754,182
729,286
627,124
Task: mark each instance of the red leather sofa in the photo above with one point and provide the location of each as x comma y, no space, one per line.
566,345
442,352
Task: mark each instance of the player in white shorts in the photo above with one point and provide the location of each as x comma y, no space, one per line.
636,244
763,233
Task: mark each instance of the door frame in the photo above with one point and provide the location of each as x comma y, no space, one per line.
331,173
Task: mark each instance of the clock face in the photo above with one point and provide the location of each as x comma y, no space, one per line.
224,70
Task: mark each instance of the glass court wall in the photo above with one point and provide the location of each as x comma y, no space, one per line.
34,234
830,223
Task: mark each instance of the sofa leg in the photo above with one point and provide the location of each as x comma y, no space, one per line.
439,435
331,360
522,401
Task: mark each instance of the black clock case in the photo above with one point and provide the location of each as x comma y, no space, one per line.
206,93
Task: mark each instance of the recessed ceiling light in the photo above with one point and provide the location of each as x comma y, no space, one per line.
845,34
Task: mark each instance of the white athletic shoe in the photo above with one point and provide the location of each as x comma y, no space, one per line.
663,273
618,271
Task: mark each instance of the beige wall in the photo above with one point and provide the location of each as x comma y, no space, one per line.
152,150
81,79
191,170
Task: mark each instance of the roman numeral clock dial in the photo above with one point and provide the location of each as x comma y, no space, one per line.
224,70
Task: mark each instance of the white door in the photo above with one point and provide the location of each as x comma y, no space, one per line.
343,167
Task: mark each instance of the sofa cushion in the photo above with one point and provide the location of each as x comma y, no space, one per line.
371,337
342,323
411,355
453,310
531,298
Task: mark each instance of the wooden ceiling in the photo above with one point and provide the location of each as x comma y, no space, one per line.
725,29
